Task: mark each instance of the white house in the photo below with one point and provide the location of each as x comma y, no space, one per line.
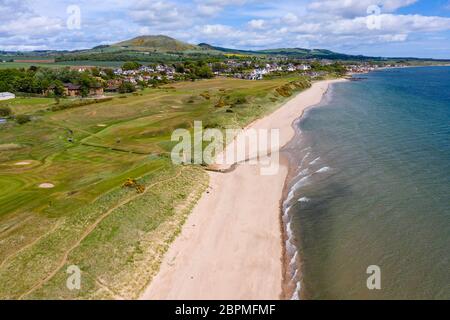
304,67
7,95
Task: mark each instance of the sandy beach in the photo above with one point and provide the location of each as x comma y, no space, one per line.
231,246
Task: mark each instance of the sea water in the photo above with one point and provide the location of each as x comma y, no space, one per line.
371,187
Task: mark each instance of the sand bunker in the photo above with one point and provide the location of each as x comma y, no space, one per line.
46,186
22,163
101,125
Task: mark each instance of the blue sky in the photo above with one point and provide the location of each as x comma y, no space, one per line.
419,28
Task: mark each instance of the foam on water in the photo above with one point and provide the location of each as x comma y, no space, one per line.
323,170
314,161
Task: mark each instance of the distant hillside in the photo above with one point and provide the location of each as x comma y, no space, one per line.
156,43
292,52
163,49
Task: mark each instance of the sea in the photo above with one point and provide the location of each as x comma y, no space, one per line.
367,207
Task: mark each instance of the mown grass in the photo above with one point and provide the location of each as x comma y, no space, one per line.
27,105
116,236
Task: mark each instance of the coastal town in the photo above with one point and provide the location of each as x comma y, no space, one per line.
97,82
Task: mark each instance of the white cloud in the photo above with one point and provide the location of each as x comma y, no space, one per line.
333,24
257,24
354,8
290,18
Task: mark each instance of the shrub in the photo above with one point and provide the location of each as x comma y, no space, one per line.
131,65
78,103
205,95
284,91
221,103
5,111
23,118
127,87
240,100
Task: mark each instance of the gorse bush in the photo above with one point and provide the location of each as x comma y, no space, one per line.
5,111
79,103
23,118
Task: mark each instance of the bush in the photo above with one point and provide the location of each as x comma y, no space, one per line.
23,118
5,111
221,103
240,100
78,103
205,95
284,91
131,65
127,87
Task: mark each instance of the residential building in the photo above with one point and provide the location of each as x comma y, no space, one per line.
7,95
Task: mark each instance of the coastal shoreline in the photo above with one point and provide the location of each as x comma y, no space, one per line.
233,240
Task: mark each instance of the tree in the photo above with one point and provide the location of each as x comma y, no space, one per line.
95,72
127,87
58,88
131,65
204,72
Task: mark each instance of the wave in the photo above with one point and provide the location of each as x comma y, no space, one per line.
304,159
301,174
304,199
314,161
296,295
324,169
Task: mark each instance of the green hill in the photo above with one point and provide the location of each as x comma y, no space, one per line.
156,43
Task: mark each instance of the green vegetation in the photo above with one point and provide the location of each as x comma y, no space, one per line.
116,235
23,105
195,70
23,118
131,65
127,87
336,68
38,80
5,111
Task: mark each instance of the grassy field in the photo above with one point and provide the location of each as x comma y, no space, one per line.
26,65
104,64
27,105
116,235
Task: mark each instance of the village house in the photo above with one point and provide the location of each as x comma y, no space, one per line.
304,67
96,90
72,90
81,68
7,95
113,85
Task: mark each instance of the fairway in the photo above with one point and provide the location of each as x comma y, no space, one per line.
116,235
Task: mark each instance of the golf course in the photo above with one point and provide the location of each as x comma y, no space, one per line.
93,185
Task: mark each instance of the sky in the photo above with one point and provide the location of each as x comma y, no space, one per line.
390,28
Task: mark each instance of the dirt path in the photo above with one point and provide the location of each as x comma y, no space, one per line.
90,229
57,224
